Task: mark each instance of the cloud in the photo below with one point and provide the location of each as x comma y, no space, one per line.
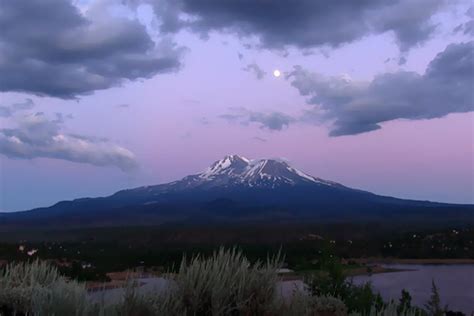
204,121
402,60
8,111
467,28
256,70
38,137
302,23
50,48
259,139
272,121
356,107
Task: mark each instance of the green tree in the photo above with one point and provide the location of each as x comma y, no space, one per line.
331,281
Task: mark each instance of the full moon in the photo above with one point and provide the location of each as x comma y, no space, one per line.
276,73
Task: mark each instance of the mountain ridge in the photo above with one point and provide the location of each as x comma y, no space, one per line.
234,188
235,170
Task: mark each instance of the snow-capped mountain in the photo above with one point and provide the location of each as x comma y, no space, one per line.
268,173
237,171
233,189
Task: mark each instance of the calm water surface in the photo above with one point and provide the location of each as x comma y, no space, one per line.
455,283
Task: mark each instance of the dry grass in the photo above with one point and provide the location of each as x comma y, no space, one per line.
225,284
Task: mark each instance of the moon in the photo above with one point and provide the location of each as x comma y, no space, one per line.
276,73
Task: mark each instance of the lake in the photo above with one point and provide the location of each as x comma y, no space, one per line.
157,284
455,284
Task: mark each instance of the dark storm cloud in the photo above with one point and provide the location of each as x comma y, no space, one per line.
272,121
357,107
302,23
36,136
256,70
47,47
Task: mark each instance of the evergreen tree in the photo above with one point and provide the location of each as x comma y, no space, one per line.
433,306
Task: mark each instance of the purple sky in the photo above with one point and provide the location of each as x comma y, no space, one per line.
351,111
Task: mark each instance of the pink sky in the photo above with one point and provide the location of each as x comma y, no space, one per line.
172,126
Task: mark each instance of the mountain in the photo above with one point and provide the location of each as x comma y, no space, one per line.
236,172
236,189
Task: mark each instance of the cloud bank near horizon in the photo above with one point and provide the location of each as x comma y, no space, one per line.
37,136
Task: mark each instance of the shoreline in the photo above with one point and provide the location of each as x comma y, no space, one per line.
370,270
433,261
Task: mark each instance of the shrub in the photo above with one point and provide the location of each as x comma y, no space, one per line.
357,298
132,303
224,284
38,289
391,309
302,304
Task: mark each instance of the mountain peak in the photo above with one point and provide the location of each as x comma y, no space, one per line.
227,165
233,159
271,173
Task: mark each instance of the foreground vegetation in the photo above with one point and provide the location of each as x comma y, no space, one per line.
225,283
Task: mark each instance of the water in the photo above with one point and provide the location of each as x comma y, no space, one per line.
156,285
455,284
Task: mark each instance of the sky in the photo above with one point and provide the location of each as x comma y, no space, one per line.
102,95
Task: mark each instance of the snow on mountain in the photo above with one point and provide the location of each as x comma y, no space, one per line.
270,173
231,165
234,171
234,188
